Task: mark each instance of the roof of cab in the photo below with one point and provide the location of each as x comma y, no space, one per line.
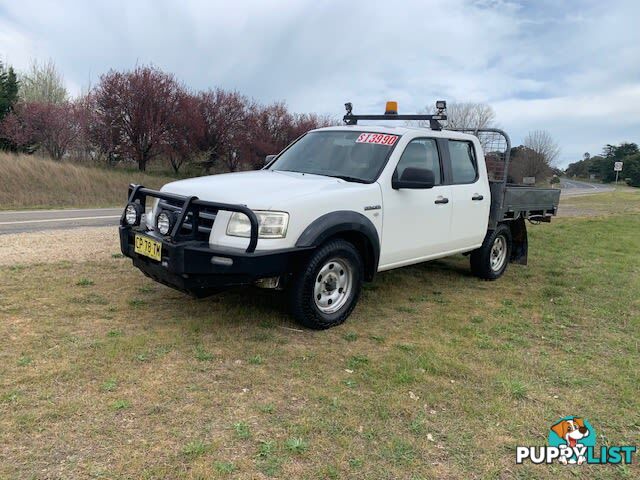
400,130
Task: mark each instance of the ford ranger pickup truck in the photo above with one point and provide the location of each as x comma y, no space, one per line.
334,208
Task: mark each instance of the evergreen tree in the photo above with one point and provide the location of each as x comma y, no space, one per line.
8,90
8,97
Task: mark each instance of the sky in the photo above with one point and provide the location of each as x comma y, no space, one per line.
569,67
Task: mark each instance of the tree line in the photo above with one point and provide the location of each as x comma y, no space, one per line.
601,166
144,115
140,116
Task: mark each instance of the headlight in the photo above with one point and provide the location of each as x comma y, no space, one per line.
164,222
132,214
270,225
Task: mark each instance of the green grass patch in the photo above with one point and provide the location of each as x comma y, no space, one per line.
203,355
242,430
195,448
224,468
296,445
121,404
110,385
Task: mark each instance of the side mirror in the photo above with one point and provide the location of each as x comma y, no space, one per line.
268,159
413,178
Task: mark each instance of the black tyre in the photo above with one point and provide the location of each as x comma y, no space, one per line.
325,291
491,259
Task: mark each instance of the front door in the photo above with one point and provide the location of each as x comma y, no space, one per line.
416,222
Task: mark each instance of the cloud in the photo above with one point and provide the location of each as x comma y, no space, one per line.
581,122
569,68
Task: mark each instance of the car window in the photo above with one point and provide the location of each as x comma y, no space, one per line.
463,163
421,153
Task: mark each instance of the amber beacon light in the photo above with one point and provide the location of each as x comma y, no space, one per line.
391,108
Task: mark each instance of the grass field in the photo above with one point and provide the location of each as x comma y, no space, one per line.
106,374
622,201
35,182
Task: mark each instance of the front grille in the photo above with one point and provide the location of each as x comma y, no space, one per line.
206,218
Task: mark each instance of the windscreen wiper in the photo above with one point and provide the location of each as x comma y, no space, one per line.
348,178
341,177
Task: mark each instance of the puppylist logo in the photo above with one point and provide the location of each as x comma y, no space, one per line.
572,441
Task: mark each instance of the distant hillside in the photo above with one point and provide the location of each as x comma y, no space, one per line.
35,182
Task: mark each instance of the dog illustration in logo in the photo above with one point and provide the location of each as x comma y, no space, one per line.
572,431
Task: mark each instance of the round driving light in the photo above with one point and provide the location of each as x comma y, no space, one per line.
163,223
132,214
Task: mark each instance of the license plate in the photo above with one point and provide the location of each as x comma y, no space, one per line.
148,247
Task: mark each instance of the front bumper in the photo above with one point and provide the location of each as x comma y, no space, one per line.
188,263
196,268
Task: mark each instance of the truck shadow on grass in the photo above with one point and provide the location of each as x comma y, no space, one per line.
458,267
252,306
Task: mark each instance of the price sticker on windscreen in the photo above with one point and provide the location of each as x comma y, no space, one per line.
377,138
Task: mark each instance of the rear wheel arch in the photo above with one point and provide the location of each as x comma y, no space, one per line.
350,226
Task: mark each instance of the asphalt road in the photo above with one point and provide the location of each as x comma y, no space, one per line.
19,221
576,187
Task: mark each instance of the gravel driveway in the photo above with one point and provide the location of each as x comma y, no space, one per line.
94,243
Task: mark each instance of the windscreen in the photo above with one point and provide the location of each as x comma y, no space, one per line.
353,156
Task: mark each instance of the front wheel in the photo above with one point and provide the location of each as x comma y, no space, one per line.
325,291
491,259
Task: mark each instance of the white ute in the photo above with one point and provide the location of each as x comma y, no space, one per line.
335,207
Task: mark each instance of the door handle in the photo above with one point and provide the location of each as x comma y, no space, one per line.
441,200
477,196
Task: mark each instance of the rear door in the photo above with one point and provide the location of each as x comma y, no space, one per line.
416,223
470,195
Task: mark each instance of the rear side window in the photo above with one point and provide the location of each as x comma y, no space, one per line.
463,162
421,153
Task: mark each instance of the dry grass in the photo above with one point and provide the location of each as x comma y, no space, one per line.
623,200
35,182
106,374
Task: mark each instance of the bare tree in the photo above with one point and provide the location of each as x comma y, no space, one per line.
268,131
43,83
536,158
52,127
225,116
137,106
470,115
526,162
463,115
541,142
186,131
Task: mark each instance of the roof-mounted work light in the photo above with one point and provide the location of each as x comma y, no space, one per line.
348,107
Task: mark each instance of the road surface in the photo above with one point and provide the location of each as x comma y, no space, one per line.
19,221
576,187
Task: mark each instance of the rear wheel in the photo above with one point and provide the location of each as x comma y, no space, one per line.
325,292
491,259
